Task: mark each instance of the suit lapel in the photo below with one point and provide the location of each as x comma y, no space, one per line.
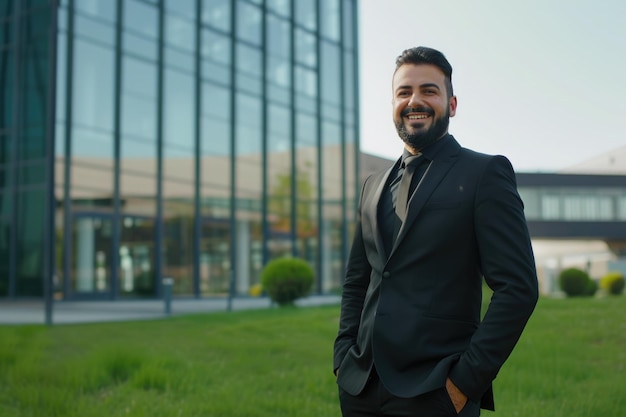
436,171
372,209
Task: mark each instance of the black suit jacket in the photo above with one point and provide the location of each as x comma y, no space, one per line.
415,312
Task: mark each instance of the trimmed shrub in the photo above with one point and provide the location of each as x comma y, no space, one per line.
613,283
287,279
575,282
592,288
256,290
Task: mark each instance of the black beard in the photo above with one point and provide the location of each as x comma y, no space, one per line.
423,139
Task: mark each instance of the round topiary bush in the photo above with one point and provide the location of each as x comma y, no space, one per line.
287,279
575,282
613,283
592,288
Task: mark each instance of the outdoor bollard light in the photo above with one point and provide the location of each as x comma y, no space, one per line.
167,294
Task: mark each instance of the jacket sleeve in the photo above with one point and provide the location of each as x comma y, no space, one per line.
355,286
508,267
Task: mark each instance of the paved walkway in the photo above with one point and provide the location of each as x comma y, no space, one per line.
68,312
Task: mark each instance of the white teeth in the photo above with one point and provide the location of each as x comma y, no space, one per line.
419,116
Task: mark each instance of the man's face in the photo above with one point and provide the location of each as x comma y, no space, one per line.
421,108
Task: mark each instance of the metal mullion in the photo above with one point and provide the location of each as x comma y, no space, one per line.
320,188
233,154
67,201
159,139
50,203
13,134
344,169
264,129
116,220
197,229
292,94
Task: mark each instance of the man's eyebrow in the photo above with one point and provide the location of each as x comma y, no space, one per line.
429,85
403,87
425,85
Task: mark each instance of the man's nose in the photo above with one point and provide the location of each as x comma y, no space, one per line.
415,101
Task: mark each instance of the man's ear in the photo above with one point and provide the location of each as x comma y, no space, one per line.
452,104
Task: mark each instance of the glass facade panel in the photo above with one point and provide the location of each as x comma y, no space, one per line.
348,23
332,210
24,186
178,179
127,178
103,10
249,23
5,253
140,18
178,110
280,7
93,86
249,68
278,37
306,13
30,250
185,8
91,255
215,185
95,31
329,18
180,33
7,81
217,14
305,48
248,127
330,75
349,87
137,257
279,181
140,46
216,57
249,188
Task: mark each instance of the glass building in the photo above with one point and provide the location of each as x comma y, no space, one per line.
191,139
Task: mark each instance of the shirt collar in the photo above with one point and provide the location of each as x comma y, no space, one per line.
430,151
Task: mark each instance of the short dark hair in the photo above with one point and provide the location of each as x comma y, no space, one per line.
423,55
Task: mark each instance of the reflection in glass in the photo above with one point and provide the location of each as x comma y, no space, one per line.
216,13
305,48
306,14
331,73
329,19
281,7
136,257
178,110
91,255
249,23
93,86
141,18
180,33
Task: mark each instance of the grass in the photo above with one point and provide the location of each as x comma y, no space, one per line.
277,362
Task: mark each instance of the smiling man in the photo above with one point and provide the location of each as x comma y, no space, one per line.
429,230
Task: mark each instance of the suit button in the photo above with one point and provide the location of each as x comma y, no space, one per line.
386,274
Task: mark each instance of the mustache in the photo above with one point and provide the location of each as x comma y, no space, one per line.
418,109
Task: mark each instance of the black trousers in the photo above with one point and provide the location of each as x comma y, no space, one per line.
376,401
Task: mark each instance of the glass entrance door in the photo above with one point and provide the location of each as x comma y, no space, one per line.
136,268
91,256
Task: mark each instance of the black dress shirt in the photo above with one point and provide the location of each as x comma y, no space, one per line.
387,217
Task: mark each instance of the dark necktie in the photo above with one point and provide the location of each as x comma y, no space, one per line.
402,199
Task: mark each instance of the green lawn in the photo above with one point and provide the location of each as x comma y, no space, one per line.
277,362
